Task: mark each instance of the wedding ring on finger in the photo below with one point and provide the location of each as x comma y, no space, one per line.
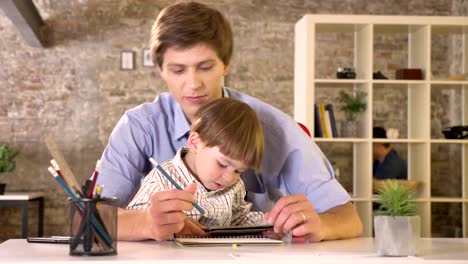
304,218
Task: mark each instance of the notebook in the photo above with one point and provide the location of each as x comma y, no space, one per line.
231,235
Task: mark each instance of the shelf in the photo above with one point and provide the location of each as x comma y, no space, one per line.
448,82
450,141
381,140
417,200
340,81
419,109
361,199
399,140
448,200
449,29
400,81
350,140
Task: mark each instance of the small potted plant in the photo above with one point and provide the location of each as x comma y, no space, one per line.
7,163
396,225
352,105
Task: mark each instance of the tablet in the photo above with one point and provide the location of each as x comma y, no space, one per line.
51,239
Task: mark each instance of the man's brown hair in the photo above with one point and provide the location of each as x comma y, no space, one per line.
234,127
185,24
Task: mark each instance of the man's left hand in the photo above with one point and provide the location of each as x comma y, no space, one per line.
296,213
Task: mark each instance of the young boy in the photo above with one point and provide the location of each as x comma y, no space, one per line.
226,139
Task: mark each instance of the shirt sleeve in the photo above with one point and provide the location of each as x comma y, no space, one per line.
123,163
300,167
152,183
292,164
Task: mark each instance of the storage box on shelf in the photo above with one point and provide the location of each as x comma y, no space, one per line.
363,42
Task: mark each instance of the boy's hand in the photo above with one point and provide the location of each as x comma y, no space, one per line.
191,228
166,216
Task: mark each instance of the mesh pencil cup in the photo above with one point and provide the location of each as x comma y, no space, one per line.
93,227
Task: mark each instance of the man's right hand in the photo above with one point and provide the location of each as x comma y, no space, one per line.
166,211
162,219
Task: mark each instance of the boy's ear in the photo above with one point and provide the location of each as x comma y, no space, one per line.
194,141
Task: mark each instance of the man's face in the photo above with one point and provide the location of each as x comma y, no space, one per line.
193,76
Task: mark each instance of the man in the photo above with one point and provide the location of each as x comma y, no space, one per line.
387,163
191,45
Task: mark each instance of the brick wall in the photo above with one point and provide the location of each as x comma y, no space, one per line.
75,91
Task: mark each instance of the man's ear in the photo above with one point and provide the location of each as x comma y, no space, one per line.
194,142
161,73
226,70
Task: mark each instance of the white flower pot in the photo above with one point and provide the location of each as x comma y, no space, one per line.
397,235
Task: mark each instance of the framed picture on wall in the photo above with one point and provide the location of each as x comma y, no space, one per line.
127,60
146,58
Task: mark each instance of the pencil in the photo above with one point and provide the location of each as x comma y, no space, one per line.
94,179
57,169
102,232
174,183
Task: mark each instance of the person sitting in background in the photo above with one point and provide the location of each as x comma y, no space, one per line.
387,163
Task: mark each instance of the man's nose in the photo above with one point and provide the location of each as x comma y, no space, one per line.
193,79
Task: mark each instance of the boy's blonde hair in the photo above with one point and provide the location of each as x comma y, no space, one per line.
234,127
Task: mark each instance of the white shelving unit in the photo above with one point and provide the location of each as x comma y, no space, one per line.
419,31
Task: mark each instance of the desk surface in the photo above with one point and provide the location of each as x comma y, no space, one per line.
360,250
23,196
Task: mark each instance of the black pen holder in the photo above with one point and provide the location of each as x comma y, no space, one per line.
93,228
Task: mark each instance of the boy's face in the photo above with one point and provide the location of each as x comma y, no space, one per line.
213,169
193,76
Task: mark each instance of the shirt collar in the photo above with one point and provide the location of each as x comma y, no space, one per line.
181,124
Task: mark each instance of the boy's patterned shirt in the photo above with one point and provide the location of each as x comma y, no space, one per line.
222,207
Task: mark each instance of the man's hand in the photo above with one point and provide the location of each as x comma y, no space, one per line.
162,219
296,213
166,216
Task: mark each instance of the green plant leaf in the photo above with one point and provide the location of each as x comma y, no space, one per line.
7,159
395,200
352,104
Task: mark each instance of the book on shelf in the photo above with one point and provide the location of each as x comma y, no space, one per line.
331,115
318,131
324,121
231,235
328,124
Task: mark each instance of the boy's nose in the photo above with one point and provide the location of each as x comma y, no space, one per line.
229,175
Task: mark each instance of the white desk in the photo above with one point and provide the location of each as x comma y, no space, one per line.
359,250
22,200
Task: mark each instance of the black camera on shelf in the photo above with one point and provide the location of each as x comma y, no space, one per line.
456,132
345,73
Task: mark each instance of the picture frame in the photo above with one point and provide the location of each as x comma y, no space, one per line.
127,60
146,58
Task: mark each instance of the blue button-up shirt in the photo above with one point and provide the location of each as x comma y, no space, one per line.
292,163
392,167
